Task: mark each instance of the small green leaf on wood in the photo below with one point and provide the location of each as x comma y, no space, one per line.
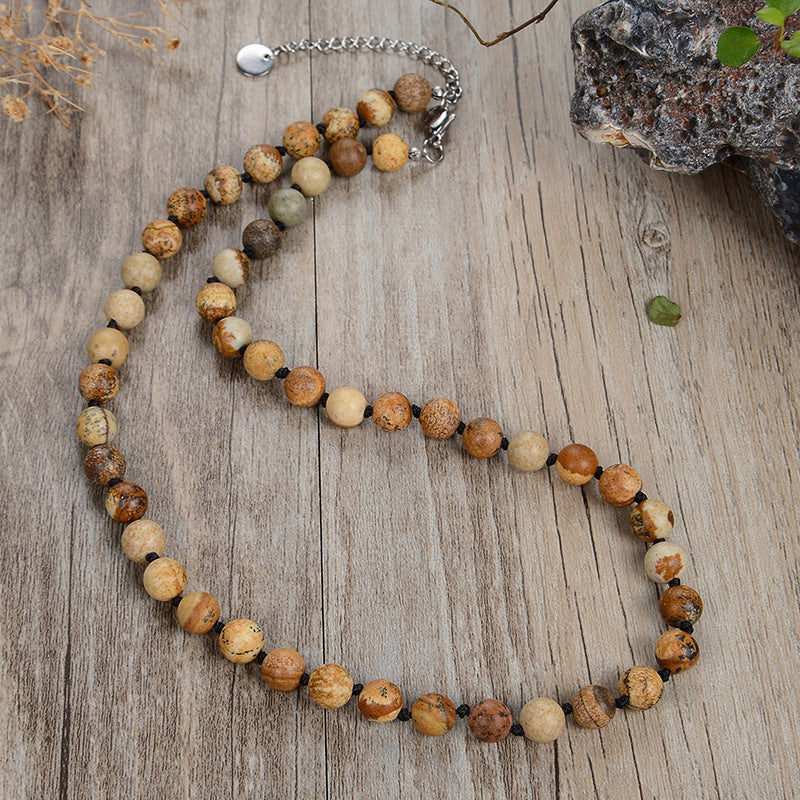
737,45
792,46
663,311
787,7
772,15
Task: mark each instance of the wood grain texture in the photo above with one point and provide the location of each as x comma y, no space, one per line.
512,278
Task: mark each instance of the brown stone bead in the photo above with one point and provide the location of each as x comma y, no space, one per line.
680,604
125,307
142,270
392,412
412,92
642,686
677,651
301,139
482,437
340,123
126,502
380,701
187,205
241,640
98,383
162,238
282,669
304,386
231,266
108,343
230,335
164,579
263,359
142,537
104,463
576,464
439,418
433,714
215,301
619,485
198,612
224,185
542,719
330,686
664,561
264,236
263,163
96,425
376,107
348,157
489,720
593,707
652,519
390,152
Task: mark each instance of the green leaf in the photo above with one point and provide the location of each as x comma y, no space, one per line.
792,46
663,311
772,15
788,7
737,45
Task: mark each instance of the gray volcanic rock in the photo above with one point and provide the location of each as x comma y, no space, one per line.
647,76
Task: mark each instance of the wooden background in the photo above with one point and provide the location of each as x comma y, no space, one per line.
513,278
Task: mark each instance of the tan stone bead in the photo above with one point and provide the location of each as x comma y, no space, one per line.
231,266
312,175
376,107
126,502
224,185
340,123
348,157
489,720
215,301
542,719
679,605
98,382
108,343
392,412
162,238
652,519
301,139
96,425
241,640
142,537
263,359
104,463
164,578
389,152
282,669
433,714
198,612
642,686
576,464
528,451
439,418
412,92
263,163
230,335
304,386
593,707
676,651
330,686
125,307
187,205
142,270
380,701
345,407
664,561
482,437
619,484
263,236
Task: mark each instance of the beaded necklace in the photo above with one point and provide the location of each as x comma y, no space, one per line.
241,641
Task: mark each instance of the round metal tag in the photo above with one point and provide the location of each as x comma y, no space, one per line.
255,60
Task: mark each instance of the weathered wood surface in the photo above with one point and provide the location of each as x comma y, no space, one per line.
513,278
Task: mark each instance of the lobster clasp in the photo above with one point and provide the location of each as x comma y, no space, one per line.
437,121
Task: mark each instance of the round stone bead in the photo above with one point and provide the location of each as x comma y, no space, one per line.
439,418
330,686
664,561
304,387
230,335
312,175
96,425
215,301
142,270
231,266
142,537
198,612
263,163
187,205
679,605
642,686
376,107
340,123
593,707
301,139
98,383
345,407
224,185
389,152
348,157
108,343
542,719
103,464
576,464
288,206
162,238
126,502
619,484
392,412
282,669
652,519
482,437
263,236
528,451
263,359
241,640
125,307
489,720
380,701
412,92
676,651
164,578
433,714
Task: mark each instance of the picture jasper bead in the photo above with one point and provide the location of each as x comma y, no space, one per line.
241,640
263,163
230,335
304,387
104,463
282,669
98,383
652,519
482,437
108,343
198,612
433,714
126,502
330,686
264,236
376,107
187,205
680,604
412,92
340,123
288,206
215,301
312,175
489,720
542,719
348,157
576,464
390,152
224,185
528,451
162,238
392,412
619,484
439,418
142,270
677,651
345,407
593,707
301,139
96,425
231,266
142,537
380,701
164,579
664,561
125,307
642,686
263,359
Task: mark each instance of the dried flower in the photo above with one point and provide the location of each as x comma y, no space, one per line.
15,107
663,311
